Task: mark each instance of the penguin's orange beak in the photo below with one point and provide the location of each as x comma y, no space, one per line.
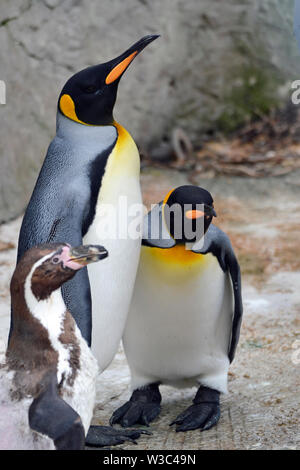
120,64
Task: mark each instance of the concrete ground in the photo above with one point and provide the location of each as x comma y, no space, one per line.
261,411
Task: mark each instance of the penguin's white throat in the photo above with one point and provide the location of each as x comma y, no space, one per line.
50,312
77,133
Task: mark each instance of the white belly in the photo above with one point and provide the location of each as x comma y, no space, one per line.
111,282
179,325
82,395
112,279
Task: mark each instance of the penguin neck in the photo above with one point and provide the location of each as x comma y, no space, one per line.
50,312
179,254
123,164
29,346
81,133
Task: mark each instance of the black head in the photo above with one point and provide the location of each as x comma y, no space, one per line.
46,267
188,212
89,96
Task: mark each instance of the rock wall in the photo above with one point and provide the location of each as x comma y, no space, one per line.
216,64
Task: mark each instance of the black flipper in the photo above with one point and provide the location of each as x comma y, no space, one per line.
142,408
155,233
80,306
49,414
218,243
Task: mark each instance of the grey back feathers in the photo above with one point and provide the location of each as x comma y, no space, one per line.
62,205
63,189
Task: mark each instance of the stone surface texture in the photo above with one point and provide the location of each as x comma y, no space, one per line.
216,64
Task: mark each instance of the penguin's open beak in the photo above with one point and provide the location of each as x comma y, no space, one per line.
120,64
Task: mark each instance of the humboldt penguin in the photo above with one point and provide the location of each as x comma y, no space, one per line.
47,392
183,325
91,167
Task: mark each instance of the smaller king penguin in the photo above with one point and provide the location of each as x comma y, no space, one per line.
184,322
48,381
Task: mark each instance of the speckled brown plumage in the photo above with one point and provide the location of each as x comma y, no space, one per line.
30,353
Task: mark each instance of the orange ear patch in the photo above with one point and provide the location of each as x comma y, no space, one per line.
119,69
167,196
67,107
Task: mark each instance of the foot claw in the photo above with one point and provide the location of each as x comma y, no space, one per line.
149,413
142,408
212,421
117,415
180,418
135,413
201,416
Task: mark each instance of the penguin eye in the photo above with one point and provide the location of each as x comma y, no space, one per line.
90,89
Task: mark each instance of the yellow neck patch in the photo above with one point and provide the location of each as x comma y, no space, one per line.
124,159
123,162
167,196
177,255
174,265
123,136
163,207
67,107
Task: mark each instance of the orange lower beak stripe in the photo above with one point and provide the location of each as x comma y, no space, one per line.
194,214
119,69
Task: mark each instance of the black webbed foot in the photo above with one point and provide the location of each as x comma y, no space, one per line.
106,436
203,414
142,408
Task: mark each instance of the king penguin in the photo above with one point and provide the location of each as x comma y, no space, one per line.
91,163
48,381
183,325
